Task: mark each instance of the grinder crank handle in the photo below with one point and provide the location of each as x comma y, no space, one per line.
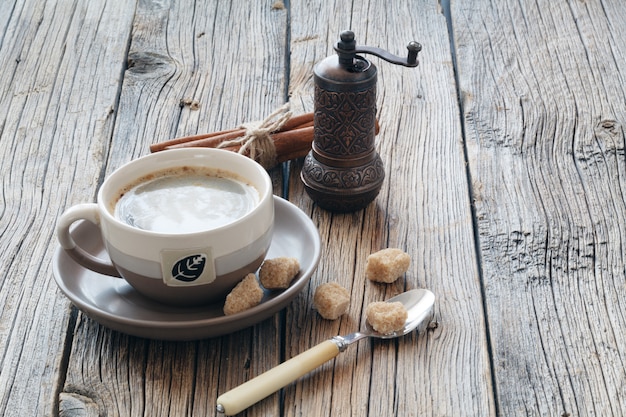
243,396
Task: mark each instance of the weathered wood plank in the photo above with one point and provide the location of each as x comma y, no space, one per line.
543,97
421,145
61,65
230,58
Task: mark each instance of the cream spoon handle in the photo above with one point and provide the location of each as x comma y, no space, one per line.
243,396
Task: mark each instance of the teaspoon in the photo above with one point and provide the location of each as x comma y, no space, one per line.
419,304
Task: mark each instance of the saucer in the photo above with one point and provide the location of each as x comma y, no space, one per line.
113,303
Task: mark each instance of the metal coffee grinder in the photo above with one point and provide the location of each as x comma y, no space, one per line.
343,172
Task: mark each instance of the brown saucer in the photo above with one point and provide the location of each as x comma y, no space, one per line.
115,304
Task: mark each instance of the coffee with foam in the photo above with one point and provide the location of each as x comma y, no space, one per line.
185,200
208,215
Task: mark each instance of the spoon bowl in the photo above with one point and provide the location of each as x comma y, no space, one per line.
419,305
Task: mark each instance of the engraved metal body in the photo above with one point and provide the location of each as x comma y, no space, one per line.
343,172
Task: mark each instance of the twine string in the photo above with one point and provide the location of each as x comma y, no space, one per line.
257,141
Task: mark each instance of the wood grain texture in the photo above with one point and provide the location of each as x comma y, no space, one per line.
543,97
61,68
423,208
229,58
505,161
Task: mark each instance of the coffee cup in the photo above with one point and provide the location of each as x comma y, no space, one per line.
182,226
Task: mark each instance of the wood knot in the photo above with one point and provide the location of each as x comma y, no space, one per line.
607,127
189,102
608,124
147,62
75,404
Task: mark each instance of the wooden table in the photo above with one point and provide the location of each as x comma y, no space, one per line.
506,185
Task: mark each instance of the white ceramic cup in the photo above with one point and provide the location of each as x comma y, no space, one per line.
151,261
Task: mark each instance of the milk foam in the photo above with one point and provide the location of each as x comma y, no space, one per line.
186,203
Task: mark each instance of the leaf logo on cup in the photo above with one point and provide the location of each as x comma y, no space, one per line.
189,268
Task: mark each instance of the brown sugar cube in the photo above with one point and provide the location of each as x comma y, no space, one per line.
387,265
385,317
278,273
245,295
331,300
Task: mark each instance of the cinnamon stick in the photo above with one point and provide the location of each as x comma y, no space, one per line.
156,147
293,140
298,121
291,144
208,142
212,140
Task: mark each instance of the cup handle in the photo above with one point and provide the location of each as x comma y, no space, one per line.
90,213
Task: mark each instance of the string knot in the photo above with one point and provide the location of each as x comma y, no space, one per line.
257,142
